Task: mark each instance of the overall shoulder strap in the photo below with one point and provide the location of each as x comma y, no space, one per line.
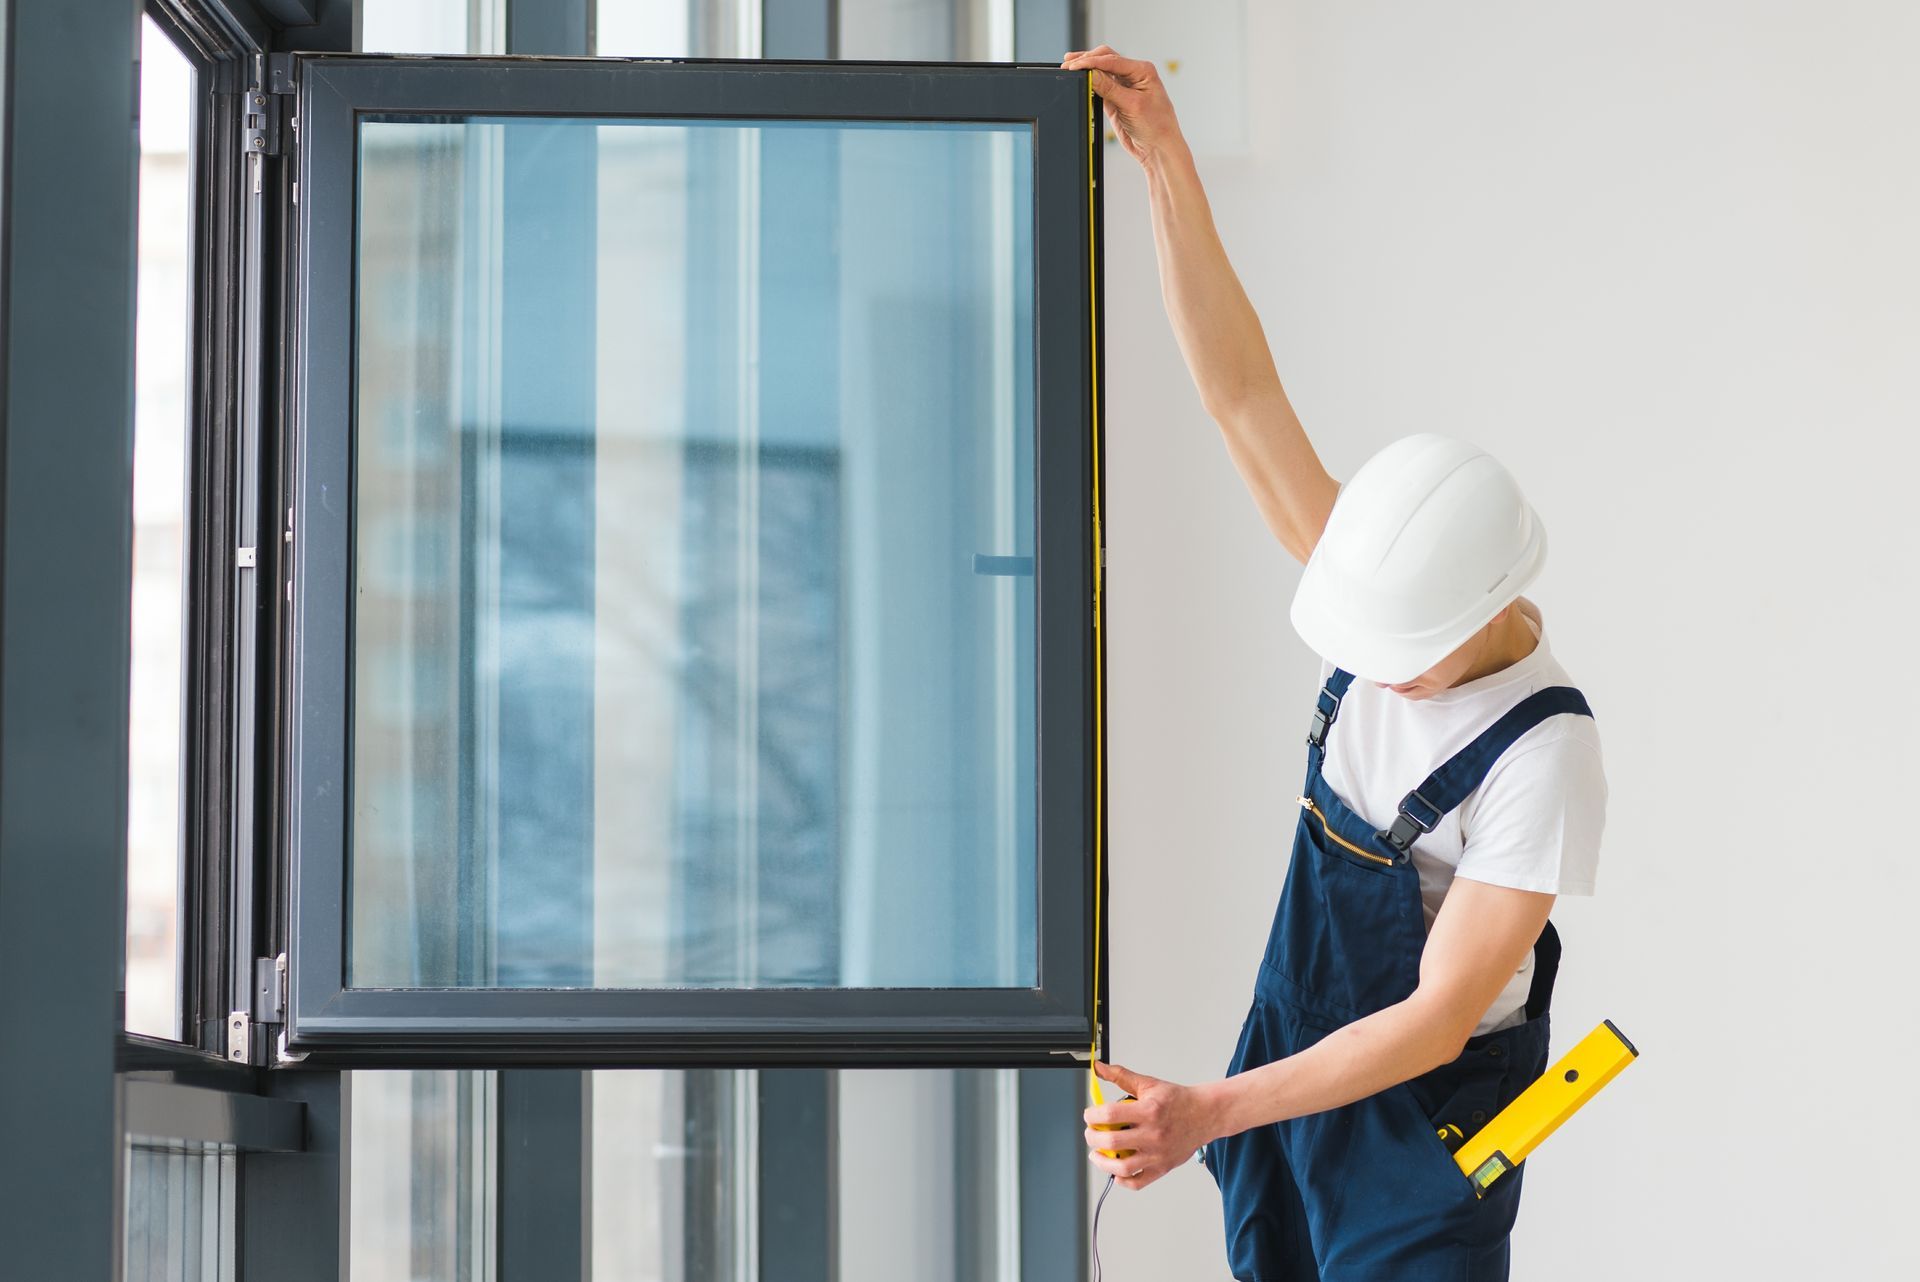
1326,707
1421,810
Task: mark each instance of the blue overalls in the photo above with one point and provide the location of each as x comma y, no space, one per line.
1369,1191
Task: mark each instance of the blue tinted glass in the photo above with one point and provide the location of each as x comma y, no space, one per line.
694,615
179,1220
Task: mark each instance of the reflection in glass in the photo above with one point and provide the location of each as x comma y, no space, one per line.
955,1220
422,1185
157,671
694,532
672,1173
180,1224
674,29
690,1175
431,26
925,30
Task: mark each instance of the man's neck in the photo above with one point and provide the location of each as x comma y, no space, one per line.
1503,644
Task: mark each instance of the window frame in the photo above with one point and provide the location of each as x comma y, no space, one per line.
1008,1027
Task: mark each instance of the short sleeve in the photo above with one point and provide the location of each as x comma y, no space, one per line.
1535,822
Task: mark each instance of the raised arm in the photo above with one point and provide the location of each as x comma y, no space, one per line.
1219,333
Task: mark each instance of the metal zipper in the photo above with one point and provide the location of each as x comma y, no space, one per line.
1306,804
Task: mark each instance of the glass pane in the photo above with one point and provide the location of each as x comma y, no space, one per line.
164,247
681,1165
925,30
421,1188
694,602
180,1224
672,1176
621,28
678,1181
431,26
950,1220
671,29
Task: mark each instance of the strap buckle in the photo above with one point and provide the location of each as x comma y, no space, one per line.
1326,707
1318,727
1408,827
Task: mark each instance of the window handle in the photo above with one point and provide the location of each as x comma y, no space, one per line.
1003,566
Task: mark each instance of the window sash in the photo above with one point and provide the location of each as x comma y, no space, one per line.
419,1026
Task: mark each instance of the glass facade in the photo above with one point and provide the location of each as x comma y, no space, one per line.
694,1176
693,611
422,1198
673,29
674,1190
433,26
621,28
180,1212
925,30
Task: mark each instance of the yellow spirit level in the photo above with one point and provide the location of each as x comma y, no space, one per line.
1518,1129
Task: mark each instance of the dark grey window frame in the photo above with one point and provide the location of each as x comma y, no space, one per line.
328,1022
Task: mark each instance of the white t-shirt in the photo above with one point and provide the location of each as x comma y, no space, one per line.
1534,823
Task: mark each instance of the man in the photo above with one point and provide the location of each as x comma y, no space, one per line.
1454,788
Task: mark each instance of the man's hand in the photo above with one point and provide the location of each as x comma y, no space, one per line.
1136,100
1165,1122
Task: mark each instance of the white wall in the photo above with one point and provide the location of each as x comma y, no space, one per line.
1664,260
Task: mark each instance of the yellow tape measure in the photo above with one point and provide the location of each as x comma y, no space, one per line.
1099,640
1519,1128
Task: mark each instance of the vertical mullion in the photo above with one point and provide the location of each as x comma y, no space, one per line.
553,27
66,449
546,1164
543,1184
977,1213
799,29
1044,30
291,1212
797,1174
1052,1176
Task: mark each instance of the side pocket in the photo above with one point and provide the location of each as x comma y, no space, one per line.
1466,1093
1436,1159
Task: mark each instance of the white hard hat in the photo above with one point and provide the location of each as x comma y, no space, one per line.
1428,541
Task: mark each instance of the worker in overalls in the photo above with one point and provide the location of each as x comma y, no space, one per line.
1453,788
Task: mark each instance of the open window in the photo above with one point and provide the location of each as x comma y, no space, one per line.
694,562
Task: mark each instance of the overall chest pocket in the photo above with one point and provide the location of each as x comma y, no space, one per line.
1335,846
1349,932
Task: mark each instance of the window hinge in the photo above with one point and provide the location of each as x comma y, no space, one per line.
263,107
268,1008
270,989
260,122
